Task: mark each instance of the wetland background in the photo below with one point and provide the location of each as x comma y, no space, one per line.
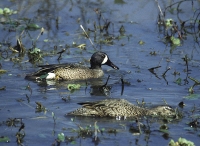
137,36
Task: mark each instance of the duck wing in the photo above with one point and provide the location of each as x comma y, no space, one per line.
108,107
45,69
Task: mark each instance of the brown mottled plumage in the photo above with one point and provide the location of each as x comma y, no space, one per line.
73,71
119,107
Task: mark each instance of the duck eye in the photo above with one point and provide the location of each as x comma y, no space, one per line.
103,56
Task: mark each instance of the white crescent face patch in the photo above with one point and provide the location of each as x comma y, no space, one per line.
105,59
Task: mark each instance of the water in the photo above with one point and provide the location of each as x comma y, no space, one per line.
61,21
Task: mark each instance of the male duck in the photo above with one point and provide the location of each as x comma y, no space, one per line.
73,71
120,107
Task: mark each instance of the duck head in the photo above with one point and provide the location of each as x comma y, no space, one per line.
101,58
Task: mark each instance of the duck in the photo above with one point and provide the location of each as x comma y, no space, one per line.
120,108
67,71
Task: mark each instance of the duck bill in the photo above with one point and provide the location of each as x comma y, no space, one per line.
109,63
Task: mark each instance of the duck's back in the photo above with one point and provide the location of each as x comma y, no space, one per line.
110,108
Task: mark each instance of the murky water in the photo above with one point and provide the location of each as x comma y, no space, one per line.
61,21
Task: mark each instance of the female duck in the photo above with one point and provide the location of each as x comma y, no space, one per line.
120,107
73,71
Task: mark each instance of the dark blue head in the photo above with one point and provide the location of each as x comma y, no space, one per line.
101,58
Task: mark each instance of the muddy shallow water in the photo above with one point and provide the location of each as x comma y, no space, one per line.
61,21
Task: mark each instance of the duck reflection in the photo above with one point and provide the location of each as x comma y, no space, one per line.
96,86
100,90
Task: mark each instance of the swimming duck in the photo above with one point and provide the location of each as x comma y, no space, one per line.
73,71
119,107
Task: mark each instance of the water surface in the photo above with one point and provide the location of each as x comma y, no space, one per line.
61,21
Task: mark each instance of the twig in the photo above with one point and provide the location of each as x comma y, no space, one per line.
166,71
122,80
60,53
160,9
87,36
138,124
41,33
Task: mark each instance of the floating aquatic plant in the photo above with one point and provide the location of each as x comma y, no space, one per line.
2,71
72,87
61,137
32,26
40,107
141,42
35,55
181,142
178,81
4,139
164,128
196,83
169,23
7,11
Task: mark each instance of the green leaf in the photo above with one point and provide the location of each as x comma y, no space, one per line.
103,129
169,22
185,142
33,26
73,142
52,114
119,2
6,11
61,137
164,131
81,46
193,96
181,142
141,42
4,139
175,41
35,50
1,11
71,87
172,143
46,40
191,90
178,81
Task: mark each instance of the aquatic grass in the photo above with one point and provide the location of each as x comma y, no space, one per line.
196,83
176,33
60,53
20,134
40,108
4,139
